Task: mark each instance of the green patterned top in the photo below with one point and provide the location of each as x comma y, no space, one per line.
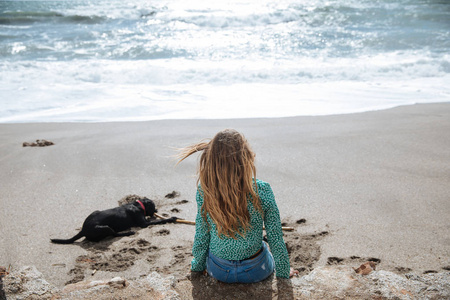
242,247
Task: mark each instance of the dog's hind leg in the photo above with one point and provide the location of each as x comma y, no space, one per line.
126,233
102,231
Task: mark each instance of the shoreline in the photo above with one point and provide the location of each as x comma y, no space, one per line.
376,182
384,108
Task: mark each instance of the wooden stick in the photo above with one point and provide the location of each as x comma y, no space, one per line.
193,222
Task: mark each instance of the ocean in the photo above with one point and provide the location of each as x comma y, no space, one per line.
135,60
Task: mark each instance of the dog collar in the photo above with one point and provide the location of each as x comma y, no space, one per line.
142,205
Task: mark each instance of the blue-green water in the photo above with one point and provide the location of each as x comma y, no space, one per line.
140,60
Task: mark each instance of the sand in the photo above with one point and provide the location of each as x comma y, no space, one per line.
368,186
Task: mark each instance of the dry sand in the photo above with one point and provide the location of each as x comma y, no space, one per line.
369,186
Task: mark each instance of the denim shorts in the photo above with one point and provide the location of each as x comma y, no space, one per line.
243,271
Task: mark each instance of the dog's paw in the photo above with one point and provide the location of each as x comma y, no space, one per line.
172,219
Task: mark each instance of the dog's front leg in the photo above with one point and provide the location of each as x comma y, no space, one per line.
163,221
144,223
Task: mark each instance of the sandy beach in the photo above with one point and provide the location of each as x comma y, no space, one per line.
372,185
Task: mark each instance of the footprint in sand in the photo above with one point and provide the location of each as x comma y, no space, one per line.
290,223
114,259
333,260
402,270
163,232
181,258
304,250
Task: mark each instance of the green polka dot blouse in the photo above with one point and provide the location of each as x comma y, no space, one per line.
242,247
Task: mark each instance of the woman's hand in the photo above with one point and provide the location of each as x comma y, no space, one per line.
293,273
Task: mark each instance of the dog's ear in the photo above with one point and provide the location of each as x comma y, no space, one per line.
150,207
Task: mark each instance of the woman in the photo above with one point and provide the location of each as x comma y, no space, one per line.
232,206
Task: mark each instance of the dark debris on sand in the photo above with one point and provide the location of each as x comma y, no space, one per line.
172,195
38,143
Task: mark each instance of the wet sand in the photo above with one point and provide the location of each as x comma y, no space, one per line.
369,186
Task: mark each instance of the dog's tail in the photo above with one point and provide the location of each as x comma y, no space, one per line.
68,241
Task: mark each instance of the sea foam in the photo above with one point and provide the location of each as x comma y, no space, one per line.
101,60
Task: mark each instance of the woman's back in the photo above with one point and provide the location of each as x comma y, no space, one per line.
232,207
242,247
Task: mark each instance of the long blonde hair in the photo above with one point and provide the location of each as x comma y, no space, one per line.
227,176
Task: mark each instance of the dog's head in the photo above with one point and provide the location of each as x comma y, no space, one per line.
150,207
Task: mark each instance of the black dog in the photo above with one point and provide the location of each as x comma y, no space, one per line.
110,222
